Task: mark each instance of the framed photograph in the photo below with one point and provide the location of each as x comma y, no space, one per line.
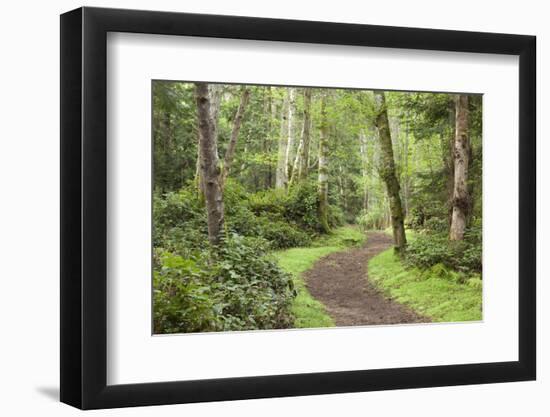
257,208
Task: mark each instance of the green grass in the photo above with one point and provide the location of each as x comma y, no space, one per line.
308,311
436,292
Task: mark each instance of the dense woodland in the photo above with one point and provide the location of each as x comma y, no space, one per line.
243,171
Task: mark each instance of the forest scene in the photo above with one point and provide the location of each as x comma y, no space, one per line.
299,207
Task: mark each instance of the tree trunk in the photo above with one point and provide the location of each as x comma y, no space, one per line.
461,155
448,159
323,168
387,172
209,166
230,152
290,133
406,179
215,95
280,175
364,170
300,166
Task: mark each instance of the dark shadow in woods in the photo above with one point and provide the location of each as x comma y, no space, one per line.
50,392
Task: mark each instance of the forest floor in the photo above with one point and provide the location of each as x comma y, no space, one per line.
340,282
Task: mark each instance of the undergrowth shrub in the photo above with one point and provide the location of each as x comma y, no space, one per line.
429,249
236,287
282,234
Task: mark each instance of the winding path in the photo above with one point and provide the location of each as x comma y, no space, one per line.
340,282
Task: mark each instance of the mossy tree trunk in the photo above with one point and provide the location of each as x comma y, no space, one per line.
461,156
323,168
209,164
387,172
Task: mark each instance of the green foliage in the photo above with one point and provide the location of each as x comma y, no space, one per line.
181,296
180,226
430,249
179,222
281,234
272,203
438,293
302,206
289,219
238,287
372,219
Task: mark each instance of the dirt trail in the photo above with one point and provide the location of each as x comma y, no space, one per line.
340,282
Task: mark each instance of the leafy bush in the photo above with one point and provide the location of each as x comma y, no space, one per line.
283,235
271,202
302,206
289,219
237,287
256,293
436,224
430,249
179,222
181,297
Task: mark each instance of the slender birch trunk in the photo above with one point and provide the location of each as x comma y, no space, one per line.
280,175
290,133
364,169
323,168
461,155
301,161
406,179
387,172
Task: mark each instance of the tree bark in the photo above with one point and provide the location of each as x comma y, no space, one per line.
461,156
323,168
215,95
387,172
209,164
364,169
300,166
290,133
281,179
230,152
448,159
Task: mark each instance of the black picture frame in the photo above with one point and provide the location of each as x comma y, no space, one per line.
84,207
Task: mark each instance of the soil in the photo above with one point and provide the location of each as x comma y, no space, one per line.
340,282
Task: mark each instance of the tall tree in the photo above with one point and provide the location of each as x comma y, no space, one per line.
209,164
290,132
281,178
364,168
215,95
323,166
230,152
461,155
387,171
300,167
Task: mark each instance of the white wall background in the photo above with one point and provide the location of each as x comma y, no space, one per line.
29,225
